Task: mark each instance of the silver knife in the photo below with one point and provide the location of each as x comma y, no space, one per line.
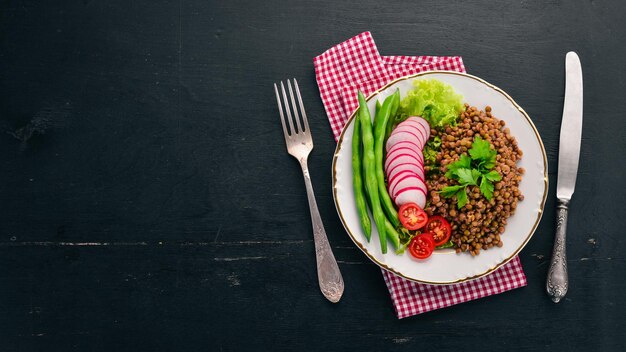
569,153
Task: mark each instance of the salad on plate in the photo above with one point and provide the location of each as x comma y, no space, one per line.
434,172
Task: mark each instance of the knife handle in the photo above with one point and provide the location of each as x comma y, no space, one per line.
557,282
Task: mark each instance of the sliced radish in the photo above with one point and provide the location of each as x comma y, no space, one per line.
411,195
393,180
417,169
401,187
401,158
406,144
413,133
394,153
404,135
405,148
422,122
420,125
414,128
404,164
407,171
397,167
420,186
405,182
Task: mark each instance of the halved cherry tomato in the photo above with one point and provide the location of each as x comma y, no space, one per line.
412,216
440,228
422,246
429,238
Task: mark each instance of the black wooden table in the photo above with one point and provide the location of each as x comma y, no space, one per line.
148,202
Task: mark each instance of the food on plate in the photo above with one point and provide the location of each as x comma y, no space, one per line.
412,216
435,101
404,163
479,223
359,192
473,170
435,173
393,235
440,228
369,170
422,246
381,119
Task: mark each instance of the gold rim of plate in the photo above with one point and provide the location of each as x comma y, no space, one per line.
545,177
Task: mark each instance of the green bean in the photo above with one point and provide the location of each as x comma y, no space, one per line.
392,234
392,115
396,103
390,230
359,196
380,123
369,168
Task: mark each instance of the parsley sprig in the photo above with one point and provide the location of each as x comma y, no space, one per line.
473,170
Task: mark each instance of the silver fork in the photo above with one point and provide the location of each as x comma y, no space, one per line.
299,145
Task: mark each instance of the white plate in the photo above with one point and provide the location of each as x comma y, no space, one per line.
445,266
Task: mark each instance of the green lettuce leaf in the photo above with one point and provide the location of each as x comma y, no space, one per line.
435,101
448,244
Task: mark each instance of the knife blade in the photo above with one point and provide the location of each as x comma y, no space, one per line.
571,128
569,154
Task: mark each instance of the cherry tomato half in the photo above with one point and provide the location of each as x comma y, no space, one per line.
422,246
412,216
440,228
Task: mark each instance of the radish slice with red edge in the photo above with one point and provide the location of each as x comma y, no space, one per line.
404,134
407,182
421,121
404,181
417,169
406,144
411,195
395,154
415,128
394,178
406,149
401,159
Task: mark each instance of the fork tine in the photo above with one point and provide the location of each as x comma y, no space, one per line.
304,119
280,109
282,87
295,107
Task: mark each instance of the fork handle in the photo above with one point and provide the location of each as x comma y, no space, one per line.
328,274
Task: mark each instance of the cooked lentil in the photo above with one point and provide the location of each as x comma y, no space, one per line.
479,224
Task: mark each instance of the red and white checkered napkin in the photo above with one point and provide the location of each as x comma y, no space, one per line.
356,64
